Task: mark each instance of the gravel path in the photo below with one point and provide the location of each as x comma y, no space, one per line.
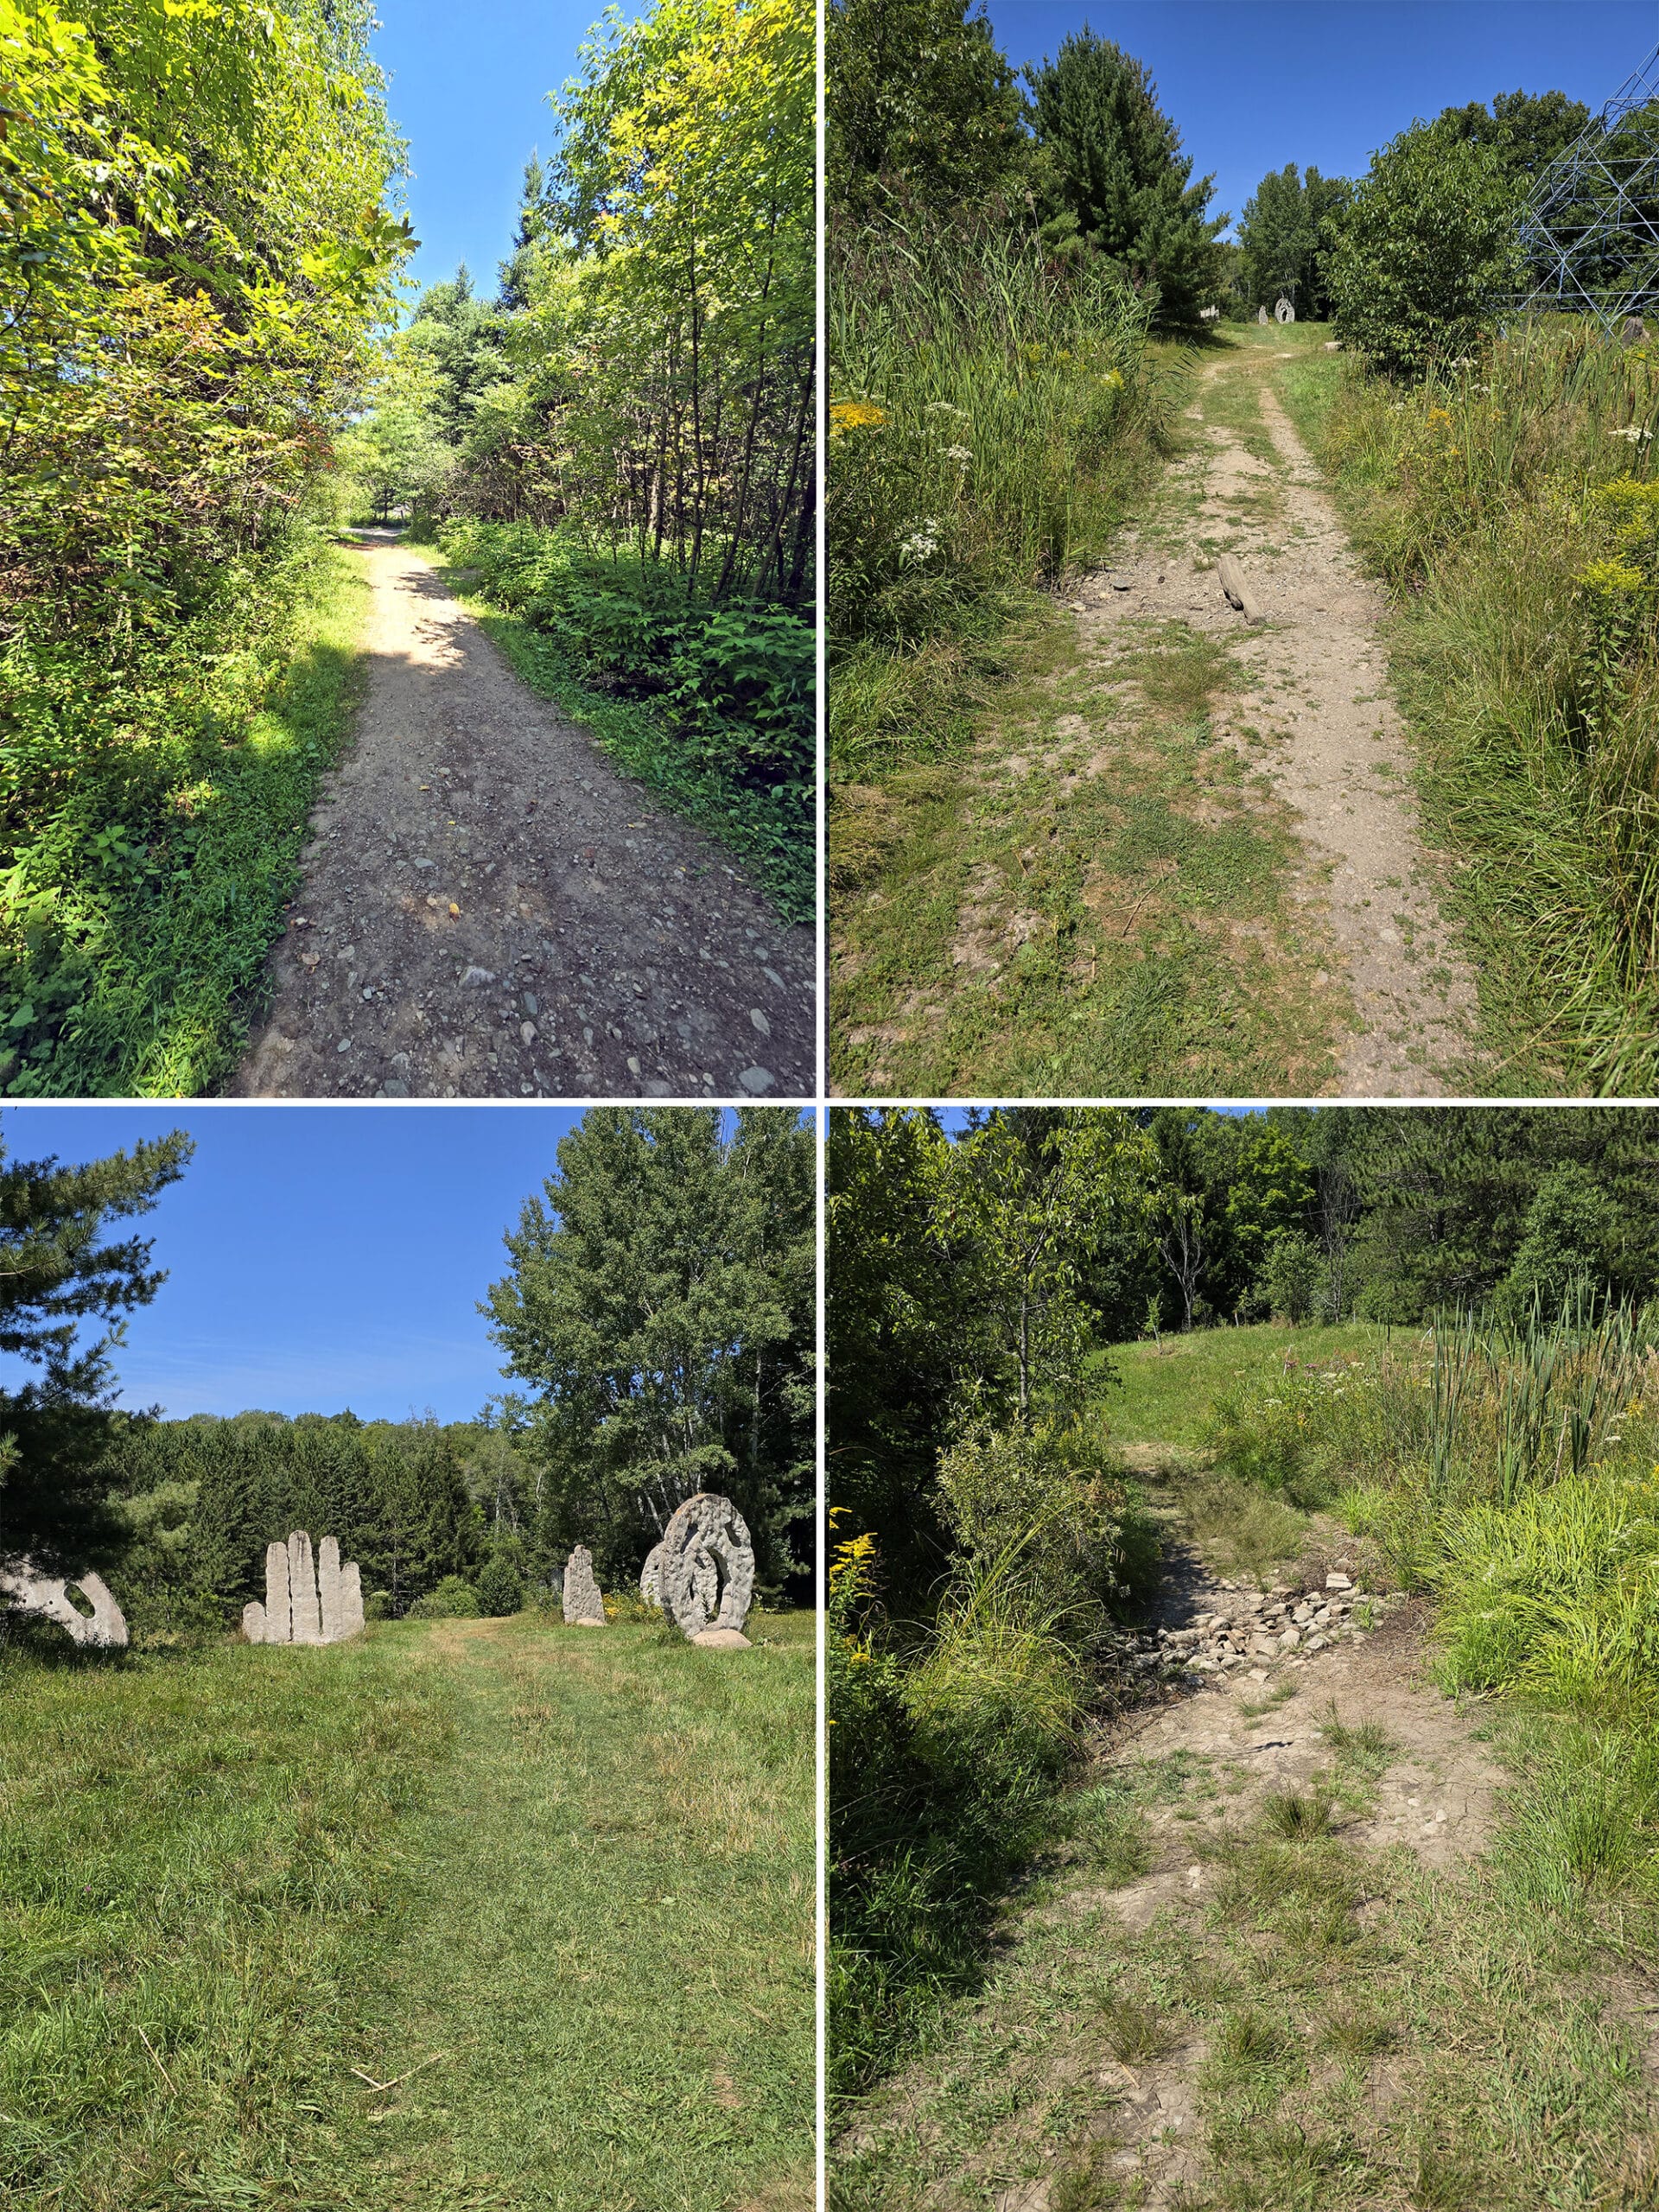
488,909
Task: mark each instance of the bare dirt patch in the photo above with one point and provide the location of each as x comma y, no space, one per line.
489,909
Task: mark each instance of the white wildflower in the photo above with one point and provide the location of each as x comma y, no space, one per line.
921,544
943,407
956,453
1636,435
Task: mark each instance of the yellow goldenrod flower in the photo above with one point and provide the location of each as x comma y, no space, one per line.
854,415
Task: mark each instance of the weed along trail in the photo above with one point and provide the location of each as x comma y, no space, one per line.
605,1972
488,908
1184,855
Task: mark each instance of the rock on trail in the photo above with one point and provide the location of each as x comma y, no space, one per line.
489,909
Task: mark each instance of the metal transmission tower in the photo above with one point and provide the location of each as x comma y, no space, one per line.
1590,229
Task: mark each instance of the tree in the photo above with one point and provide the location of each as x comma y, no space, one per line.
1285,237
1270,1193
1426,252
56,1272
1567,1242
922,110
1116,179
1180,1218
660,1307
1034,1220
1526,130
396,454
1291,1280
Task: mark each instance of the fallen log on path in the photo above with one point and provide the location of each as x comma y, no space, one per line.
1238,593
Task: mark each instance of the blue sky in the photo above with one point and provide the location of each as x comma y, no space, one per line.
1326,82
319,1257
468,92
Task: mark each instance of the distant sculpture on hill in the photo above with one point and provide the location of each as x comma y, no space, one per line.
703,1573
49,1595
584,1605
306,1601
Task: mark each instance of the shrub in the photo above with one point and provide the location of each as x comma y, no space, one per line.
501,1587
1292,1281
454,1599
1062,1503
377,1606
1426,249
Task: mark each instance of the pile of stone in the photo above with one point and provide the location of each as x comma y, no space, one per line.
1250,1630
307,1600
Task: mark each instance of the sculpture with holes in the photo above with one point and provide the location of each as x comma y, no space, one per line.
703,1573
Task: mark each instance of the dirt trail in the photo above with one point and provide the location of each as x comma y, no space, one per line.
489,909
1335,751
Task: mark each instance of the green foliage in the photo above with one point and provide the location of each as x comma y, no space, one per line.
453,1599
1509,503
1566,1248
1291,1281
155,821
1285,237
660,1307
500,1586
1425,252
1064,1507
57,1272
1526,130
920,107
1115,182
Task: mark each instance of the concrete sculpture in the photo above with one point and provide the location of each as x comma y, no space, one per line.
49,1595
1261,315
1283,311
307,1601
705,1571
584,1607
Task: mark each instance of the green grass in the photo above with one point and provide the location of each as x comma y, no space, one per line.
1166,1392
1095,903
151,883
1341,2060
766,835
573,1870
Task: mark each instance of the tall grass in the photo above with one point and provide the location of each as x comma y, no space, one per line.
1511,502
991,409
943,1760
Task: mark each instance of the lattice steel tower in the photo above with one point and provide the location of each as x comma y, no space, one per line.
1591,229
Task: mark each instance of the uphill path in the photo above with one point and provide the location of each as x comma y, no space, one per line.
488,908
1271,1967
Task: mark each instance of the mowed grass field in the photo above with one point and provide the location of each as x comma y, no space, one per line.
559,1880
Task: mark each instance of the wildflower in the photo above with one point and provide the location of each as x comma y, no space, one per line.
854,415
922,545
1636,435
1609,577
1440,415
1115,377
943,407
956,453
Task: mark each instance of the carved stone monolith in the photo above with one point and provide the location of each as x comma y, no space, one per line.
303,1590
49,1595
329,1588
351,1600
706,1569
307,1600
1261,315
583,1605
279,1617
1283,311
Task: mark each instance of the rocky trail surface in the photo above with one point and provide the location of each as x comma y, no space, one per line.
488,908
1324,729
1272,1968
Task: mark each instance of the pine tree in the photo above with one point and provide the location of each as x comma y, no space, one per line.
1285,237
1115,180
55,1273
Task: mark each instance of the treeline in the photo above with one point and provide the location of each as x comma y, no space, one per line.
656,1325
197,248
620,444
